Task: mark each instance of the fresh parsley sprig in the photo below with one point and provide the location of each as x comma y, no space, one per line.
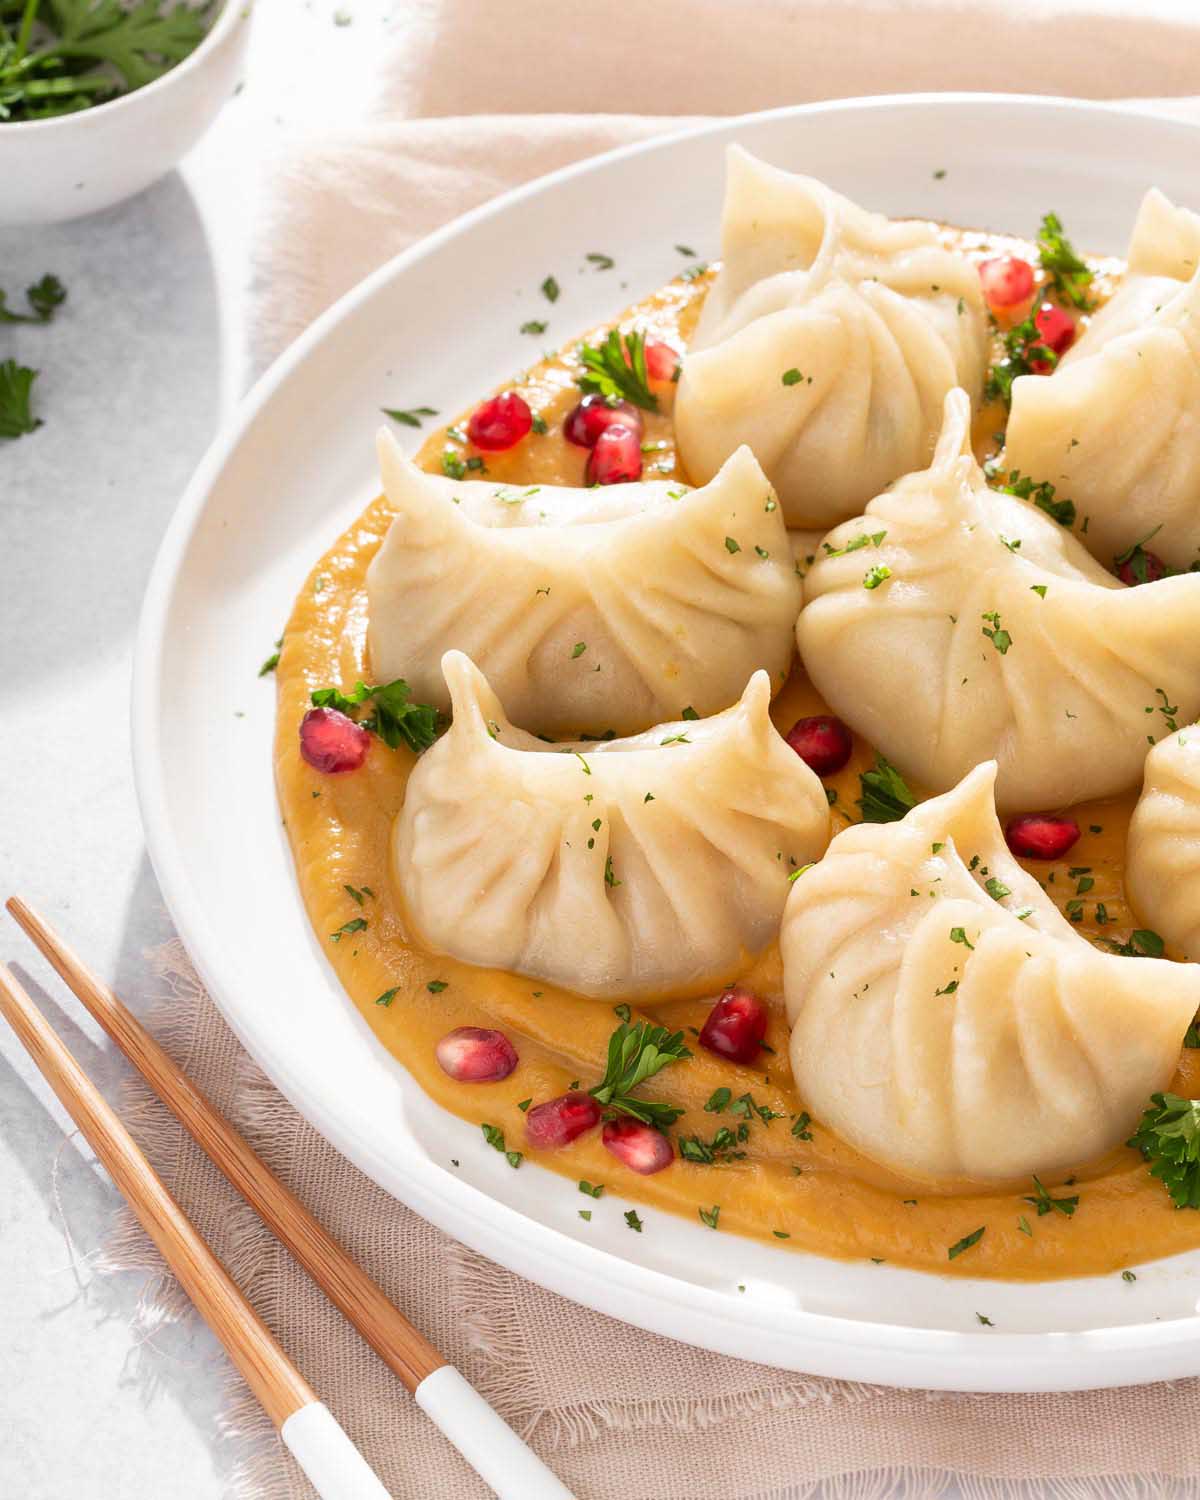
885,794
394,718
1068,275
636,1053
1042,495
60,56
16,400
609,373
1024,354
1168,1136
44,297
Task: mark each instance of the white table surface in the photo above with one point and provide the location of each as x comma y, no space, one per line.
137,372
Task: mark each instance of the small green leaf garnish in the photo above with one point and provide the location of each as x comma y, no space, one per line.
1168,1136
356,925
534,326
592,1189
1045,1204
16,393
635,1054
394,718
550,289
1069,275
410,418
388,995
885,794
710,1216
436,986
616,369
633,1221
966,1242
876,575
1042,495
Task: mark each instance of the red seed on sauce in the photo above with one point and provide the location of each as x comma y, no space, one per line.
332,742
736,1025
642,1148
559,1121
1041,835
1056,327
1142,561
500,423
661,360
823,743
616,457
1007,282
475,1055
584,423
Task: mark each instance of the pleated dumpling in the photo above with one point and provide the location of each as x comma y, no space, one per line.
948,1021
615,868
985,629
1117,426
1162,856
827,343
590,610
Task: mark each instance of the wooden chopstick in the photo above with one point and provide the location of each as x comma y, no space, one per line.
484,1439
284,1394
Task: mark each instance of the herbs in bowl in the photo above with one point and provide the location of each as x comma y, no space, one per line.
61,56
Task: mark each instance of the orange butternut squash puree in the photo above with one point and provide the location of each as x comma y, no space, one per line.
817,1194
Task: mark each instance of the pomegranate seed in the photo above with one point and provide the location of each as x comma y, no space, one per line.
332,742
735,1026
1041,835
1055,326
1007,282
642,1148
1142,566
661,360
823,743
559,1121
585,422
616,457
500,423
474,1055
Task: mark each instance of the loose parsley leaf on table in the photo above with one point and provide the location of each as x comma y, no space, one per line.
16,410
44,297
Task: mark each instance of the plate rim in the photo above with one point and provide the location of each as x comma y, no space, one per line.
831,1345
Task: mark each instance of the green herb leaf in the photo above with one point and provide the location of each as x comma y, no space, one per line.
550,289
999,638
1168,1136
616,370
534,326
710,1216
876,575
635,1054
592,1189
16,388
388,995
346,928
633,1221
1069,276
1024,354
436,986
1045,1204
44,297
965,1243
410,418
885,794
394,719
1042,495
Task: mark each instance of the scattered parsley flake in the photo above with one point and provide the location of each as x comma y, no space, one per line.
356,925
616,369
966,1242
999,638
388,995
550,289
876,575
710,1216
885,797
410,418
1168,1136
633,1221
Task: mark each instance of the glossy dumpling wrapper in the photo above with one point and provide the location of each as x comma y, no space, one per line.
1162,855
876,318
948,1021
589,610
627,867
996,634
1116,428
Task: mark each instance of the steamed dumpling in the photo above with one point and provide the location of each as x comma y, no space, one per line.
615,868
827,343
947,1020
594,610
1117,426
995,634
1162,856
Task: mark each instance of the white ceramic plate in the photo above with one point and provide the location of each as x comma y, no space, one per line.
439,326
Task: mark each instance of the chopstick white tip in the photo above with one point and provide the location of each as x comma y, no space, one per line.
337,1469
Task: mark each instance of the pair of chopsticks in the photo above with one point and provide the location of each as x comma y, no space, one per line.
336,1468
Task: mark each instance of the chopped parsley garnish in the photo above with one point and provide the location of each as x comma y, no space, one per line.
586,1215
16,396
272,661
710,1216
394,719
998,637
791,377
609,878
550,289
410,418
1135,556
675,739
592,1189
601,262
1128,1276
876,575
1069,276
616,369
388,995
800,1126
1039,589
1045,1204
686,250
722,1147
534,326
885,795
578,649
689,713
623,1013
717,1101
494,1136
436,986
1042,495
692,272
966,1242
996,889
356,925
1144,943
855,544
1168,1136
635,1054
1024,354
985,1320
731,546
959,935
633,1221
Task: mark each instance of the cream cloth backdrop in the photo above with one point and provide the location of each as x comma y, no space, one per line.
620,1414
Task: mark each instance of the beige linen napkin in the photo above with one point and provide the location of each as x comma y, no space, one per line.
620,1414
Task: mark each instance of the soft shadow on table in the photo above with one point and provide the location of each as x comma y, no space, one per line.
133,353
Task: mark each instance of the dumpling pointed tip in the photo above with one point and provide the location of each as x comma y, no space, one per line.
954,441
394,464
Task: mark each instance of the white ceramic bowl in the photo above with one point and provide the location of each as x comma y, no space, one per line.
76,164
439,326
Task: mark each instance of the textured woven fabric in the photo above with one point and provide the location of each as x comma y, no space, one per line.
620,1414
